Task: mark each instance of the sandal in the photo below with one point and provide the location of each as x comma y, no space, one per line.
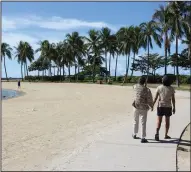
144,140
157,137
134,136
167,137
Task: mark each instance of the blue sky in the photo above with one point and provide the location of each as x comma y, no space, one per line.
35,21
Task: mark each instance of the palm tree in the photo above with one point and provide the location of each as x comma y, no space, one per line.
19,57
94,45
5,51
47,52
137,43
105,34
68,57
117,50
176,9
187,27
149,31
28,54
112,48
162,17
24,53
125,37
77,44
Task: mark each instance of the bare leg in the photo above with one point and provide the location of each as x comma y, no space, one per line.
159,121
167,120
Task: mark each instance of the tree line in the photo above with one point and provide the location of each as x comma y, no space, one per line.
88,55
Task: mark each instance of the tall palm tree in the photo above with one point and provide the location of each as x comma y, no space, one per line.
5,51
187,27
137,43
125,37
150,32
112,48
77,44
162,17
24,53
94,45
176,9
117,50
47,52
105,34
68,57
19,57
28,54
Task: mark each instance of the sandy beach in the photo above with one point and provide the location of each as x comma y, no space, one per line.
58,121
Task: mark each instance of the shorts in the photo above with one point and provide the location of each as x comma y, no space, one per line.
164,111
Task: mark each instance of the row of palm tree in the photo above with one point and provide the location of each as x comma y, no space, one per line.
169,23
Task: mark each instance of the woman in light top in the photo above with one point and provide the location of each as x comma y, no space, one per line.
166,105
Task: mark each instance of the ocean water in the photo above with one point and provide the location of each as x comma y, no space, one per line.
8,93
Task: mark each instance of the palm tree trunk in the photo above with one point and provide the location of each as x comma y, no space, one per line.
42,74
177,71
147,63
165,50
63,72
125,78
60,73
78,70
57,70
128,64
132,69
50,73
93,72
75,72
116,67
110,65
106,63
22,71
69,72
5,68
27,68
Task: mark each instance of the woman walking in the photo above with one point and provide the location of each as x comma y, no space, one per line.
142,101
166,105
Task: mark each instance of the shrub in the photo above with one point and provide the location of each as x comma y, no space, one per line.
119,78
81,77
134,79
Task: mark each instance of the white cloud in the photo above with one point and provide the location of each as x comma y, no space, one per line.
13,38
54,23
8,24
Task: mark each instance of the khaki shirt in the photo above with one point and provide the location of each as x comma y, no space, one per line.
143,97
165,95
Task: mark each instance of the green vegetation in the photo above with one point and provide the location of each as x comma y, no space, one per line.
88,55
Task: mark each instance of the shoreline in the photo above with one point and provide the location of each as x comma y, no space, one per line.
18,93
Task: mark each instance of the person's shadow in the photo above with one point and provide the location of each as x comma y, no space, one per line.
172,141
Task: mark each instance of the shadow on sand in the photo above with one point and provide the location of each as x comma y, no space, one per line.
171,141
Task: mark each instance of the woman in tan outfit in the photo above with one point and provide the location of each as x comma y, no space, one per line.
166,105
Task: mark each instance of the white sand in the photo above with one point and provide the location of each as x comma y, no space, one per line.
55,120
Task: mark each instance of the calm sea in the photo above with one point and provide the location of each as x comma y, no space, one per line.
8,93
